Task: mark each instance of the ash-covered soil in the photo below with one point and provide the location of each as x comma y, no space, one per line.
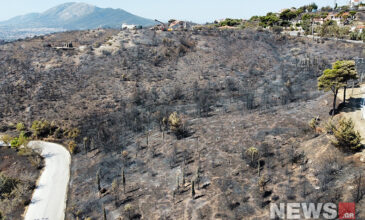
19,171
233,89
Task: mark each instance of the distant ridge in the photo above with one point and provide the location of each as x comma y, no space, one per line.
72,16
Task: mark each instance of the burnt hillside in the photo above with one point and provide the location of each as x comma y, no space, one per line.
233,90
150,71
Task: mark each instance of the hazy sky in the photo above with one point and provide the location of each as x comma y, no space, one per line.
193,10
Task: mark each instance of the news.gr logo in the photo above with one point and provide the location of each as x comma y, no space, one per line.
312,211
346,210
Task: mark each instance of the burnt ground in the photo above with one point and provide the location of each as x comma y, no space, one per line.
234,90
228,184
23,168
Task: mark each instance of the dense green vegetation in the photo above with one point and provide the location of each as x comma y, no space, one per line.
331,29
230,22
357,35
310,21
22,140
41,129
20,127
284,18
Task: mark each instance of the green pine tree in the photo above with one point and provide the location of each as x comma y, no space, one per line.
347,138
348,71
336,78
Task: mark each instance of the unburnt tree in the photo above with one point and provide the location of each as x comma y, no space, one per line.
253,153
177,125
331,80
347,138
348,71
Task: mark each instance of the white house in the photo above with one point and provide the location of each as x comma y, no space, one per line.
129,26
334,17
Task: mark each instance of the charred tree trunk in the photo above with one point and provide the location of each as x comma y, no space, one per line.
334,102
344,95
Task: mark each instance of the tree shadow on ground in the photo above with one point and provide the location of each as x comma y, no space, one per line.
351,105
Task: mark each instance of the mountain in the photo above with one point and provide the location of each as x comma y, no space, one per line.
70,16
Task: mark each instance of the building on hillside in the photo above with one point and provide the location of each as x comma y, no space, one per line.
340,19
345,18
354,3
318,21
219,21
129,27
334,17
331,16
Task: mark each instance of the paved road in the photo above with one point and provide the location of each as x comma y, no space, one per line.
49,198
356,114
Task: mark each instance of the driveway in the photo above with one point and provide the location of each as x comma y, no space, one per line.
49,198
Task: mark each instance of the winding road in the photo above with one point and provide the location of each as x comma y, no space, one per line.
49,198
